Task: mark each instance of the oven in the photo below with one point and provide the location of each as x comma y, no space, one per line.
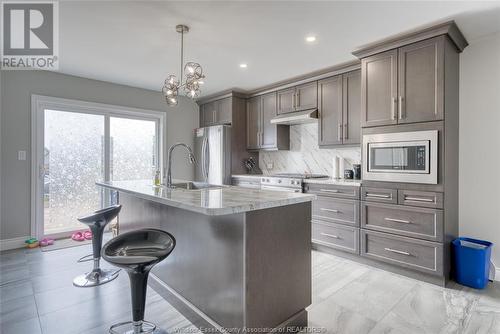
275,183
401,157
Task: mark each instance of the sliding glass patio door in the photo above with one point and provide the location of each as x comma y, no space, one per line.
76,148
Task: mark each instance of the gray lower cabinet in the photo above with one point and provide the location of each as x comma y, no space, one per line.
426,199
419,255
339,106
336,236
421,223
342,211
261,133
381,195
348,192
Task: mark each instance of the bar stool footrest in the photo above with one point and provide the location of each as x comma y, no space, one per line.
128,327
86,258
95,278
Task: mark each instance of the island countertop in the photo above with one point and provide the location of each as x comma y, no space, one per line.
213,202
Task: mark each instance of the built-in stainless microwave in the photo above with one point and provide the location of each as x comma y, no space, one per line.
401,157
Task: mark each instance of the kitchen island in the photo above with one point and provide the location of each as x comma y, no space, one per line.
242,258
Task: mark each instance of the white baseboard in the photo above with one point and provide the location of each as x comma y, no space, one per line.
495,272
13,243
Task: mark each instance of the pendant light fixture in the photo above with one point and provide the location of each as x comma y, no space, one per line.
191,83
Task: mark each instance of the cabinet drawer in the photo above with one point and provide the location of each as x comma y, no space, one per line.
410,253
343,211
332,190
381,195
336,236
413,222
424,199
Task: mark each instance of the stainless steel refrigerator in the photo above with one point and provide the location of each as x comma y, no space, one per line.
213,154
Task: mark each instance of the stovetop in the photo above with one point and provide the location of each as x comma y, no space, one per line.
300,176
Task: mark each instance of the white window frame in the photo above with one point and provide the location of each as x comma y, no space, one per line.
40,103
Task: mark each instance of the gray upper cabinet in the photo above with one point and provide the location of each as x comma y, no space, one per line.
330,111
207,114
223,111
306,96
420,79
253,123
339,103
286,101
216,112
261,133
379,89
298,98
351,117
404,85
269,130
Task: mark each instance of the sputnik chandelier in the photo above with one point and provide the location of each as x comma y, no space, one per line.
193,80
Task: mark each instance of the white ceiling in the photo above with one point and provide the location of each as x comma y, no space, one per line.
135,43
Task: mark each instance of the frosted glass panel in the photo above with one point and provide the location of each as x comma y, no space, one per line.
73,159
133,147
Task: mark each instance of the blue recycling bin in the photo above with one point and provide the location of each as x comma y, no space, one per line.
472,261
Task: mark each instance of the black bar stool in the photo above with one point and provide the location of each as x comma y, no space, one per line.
137,252
97,221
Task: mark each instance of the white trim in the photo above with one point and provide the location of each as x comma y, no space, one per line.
39,103
495,272
14,243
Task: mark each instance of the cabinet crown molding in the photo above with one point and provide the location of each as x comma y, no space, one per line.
448,28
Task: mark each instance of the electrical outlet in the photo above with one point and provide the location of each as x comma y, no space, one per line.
270,165
21,155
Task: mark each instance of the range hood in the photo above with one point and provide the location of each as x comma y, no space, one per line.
298,117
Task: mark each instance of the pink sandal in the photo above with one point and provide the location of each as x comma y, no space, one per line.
78,236
87,235
46,242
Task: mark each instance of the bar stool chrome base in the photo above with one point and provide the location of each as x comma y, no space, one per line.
133,327
95,278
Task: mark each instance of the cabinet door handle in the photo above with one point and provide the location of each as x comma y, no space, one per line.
400,107
420,199
330,235
339,135
378,195
297,99
393,108
397,220
345,131
330,210
397,251
329,190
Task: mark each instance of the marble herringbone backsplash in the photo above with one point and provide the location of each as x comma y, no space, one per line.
305,155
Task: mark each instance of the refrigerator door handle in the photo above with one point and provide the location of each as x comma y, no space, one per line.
207,159
203,157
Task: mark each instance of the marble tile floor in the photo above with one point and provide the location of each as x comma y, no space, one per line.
37,296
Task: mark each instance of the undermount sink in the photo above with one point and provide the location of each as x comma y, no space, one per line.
195,185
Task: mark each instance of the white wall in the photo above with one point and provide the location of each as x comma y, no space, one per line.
480,142
16,90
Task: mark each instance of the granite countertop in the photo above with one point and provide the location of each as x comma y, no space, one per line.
213,202
339,182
